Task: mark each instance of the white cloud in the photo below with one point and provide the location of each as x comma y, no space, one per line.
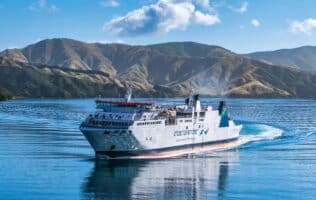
255,23
205,4
242,9
163,16
109,3
306,26
205,19
42,5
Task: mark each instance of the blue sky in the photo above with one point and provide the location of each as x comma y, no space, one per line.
239,25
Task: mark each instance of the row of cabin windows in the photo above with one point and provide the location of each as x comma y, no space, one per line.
108,123
148,123
185,114
111,116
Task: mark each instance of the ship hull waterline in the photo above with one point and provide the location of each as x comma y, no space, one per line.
171,152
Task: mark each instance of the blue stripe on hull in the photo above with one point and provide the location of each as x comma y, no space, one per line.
115,154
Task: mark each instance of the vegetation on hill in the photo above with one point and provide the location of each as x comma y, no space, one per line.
5,94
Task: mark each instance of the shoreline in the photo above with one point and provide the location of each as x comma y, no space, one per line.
150,97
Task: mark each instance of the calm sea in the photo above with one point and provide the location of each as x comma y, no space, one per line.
43,155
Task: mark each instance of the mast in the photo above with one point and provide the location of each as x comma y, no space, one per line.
190,103
197,106
128,94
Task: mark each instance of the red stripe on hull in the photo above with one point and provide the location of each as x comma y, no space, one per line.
177,152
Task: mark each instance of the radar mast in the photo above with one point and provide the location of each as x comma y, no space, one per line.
128,94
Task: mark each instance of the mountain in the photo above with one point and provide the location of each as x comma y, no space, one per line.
29,80
64,53
301,58
168,69
115,59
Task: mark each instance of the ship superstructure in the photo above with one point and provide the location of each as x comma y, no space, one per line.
125,128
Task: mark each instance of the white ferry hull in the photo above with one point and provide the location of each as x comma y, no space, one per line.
138,146
169,152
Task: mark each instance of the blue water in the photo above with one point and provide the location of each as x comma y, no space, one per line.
44,156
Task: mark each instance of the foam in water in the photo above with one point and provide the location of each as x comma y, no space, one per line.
310,133
254,133
258,132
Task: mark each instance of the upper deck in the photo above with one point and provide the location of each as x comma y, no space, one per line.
124,113
123,106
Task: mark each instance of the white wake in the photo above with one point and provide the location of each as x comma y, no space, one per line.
262,132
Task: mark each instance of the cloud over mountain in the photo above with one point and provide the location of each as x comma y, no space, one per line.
163,16
205,19
109,3
42,5
255,23
204,4
306,26
242,9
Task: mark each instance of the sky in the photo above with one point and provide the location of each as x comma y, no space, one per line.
242,26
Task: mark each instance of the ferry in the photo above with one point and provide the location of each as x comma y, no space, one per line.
129,129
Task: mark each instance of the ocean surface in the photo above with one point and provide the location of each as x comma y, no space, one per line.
43,155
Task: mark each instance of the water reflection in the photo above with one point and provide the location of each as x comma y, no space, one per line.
186,178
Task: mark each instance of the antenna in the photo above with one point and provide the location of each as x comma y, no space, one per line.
128,94
191,97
